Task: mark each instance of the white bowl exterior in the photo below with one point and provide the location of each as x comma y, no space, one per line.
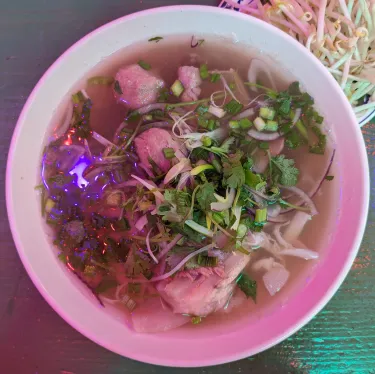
79,308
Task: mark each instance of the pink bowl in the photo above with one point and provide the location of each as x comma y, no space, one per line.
203,345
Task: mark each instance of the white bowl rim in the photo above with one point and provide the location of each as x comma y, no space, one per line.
144,357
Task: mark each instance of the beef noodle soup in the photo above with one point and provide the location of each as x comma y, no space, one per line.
182,179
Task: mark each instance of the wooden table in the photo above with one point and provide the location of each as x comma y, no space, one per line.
35,340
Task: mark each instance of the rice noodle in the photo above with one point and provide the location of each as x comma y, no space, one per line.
278,236
181,264
169,246
306,254
296,226
303,195
263,136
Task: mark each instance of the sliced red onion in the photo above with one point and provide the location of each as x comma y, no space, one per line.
150,186
257,67
264,136
275,279
325,174
169,246
151,107
306,254
183,180
279,237
149,247
141,223
250,112
303,195
174,171
278,219
61,130
273,210
296,226
180,265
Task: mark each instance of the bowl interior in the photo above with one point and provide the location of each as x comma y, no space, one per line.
213,344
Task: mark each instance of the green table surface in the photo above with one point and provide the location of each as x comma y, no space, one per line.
35,340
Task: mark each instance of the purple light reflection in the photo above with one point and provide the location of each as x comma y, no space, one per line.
78,169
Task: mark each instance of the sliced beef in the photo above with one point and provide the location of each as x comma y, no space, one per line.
150,144
202,295
153,316
139,87
190,78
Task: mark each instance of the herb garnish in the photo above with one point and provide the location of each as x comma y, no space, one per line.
155,39
247,286
144,65
285,172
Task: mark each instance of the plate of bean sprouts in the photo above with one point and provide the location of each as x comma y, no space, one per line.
340,33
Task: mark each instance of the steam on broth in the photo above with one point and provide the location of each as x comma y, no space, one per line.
176,182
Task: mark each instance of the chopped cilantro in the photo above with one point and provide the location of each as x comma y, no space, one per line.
293,139
137,266
245,198
285,106
329,177
234,174
285,172
178,198
255,181
188,232
205,196
319,147
247,286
